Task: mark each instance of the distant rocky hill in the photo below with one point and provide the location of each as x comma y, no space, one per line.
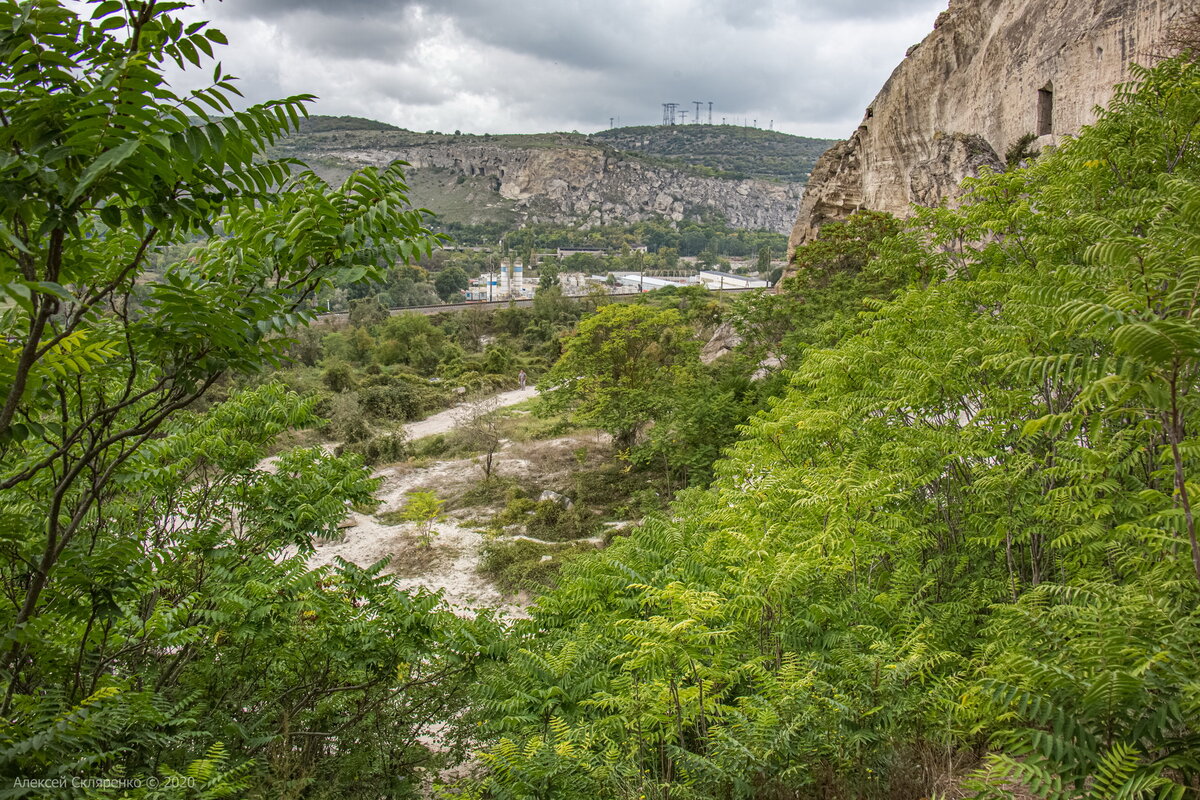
572,178
991,72
730,149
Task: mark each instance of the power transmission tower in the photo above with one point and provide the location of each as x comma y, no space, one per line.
710,112
610,122
697,103
683,117
669,113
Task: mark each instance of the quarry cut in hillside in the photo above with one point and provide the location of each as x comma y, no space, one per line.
558,178
990,72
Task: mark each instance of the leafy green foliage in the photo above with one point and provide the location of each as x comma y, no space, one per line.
157,617
729,149
424,509
621,367
522,565
658,236
1021,151
450,282
961,541
832,280
186,621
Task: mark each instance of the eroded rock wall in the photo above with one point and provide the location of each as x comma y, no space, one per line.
990,72
595,185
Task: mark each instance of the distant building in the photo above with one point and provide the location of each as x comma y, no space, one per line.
647,283
563,252
727,280
506,283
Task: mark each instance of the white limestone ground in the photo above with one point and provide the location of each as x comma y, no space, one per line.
444,421
450,562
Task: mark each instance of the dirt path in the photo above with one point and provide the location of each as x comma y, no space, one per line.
450,562
447,420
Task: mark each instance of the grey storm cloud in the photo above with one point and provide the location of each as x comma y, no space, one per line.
809,65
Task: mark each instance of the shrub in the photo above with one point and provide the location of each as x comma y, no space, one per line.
555,523
521,565
399,397
490,490
431,446
425,509
346,421
339,377
517,510
384,448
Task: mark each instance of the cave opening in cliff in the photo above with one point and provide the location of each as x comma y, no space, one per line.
1045,110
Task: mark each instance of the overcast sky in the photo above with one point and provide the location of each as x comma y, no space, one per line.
524,66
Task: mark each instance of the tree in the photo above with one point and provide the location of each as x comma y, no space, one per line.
551,305
666,258
833,278
450,281
367,312
412,340
547,276
424,509
338,377
151,615
408,285
1021,152
844,247
763,265
692,243
478,426
620,368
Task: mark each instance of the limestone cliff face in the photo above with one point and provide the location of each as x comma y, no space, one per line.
990,72
596,185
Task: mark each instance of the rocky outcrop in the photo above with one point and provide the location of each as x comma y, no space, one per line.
595,185
990,72
722,342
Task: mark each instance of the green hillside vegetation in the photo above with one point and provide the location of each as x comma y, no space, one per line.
320,133
962,542
322,124
949,550
469,200
728,149
713,150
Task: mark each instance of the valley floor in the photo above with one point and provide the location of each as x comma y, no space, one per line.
451,563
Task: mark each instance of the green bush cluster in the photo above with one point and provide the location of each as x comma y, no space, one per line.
400,396
382,448
522,565
552,521
161,631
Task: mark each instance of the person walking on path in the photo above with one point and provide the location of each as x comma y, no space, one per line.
521,378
